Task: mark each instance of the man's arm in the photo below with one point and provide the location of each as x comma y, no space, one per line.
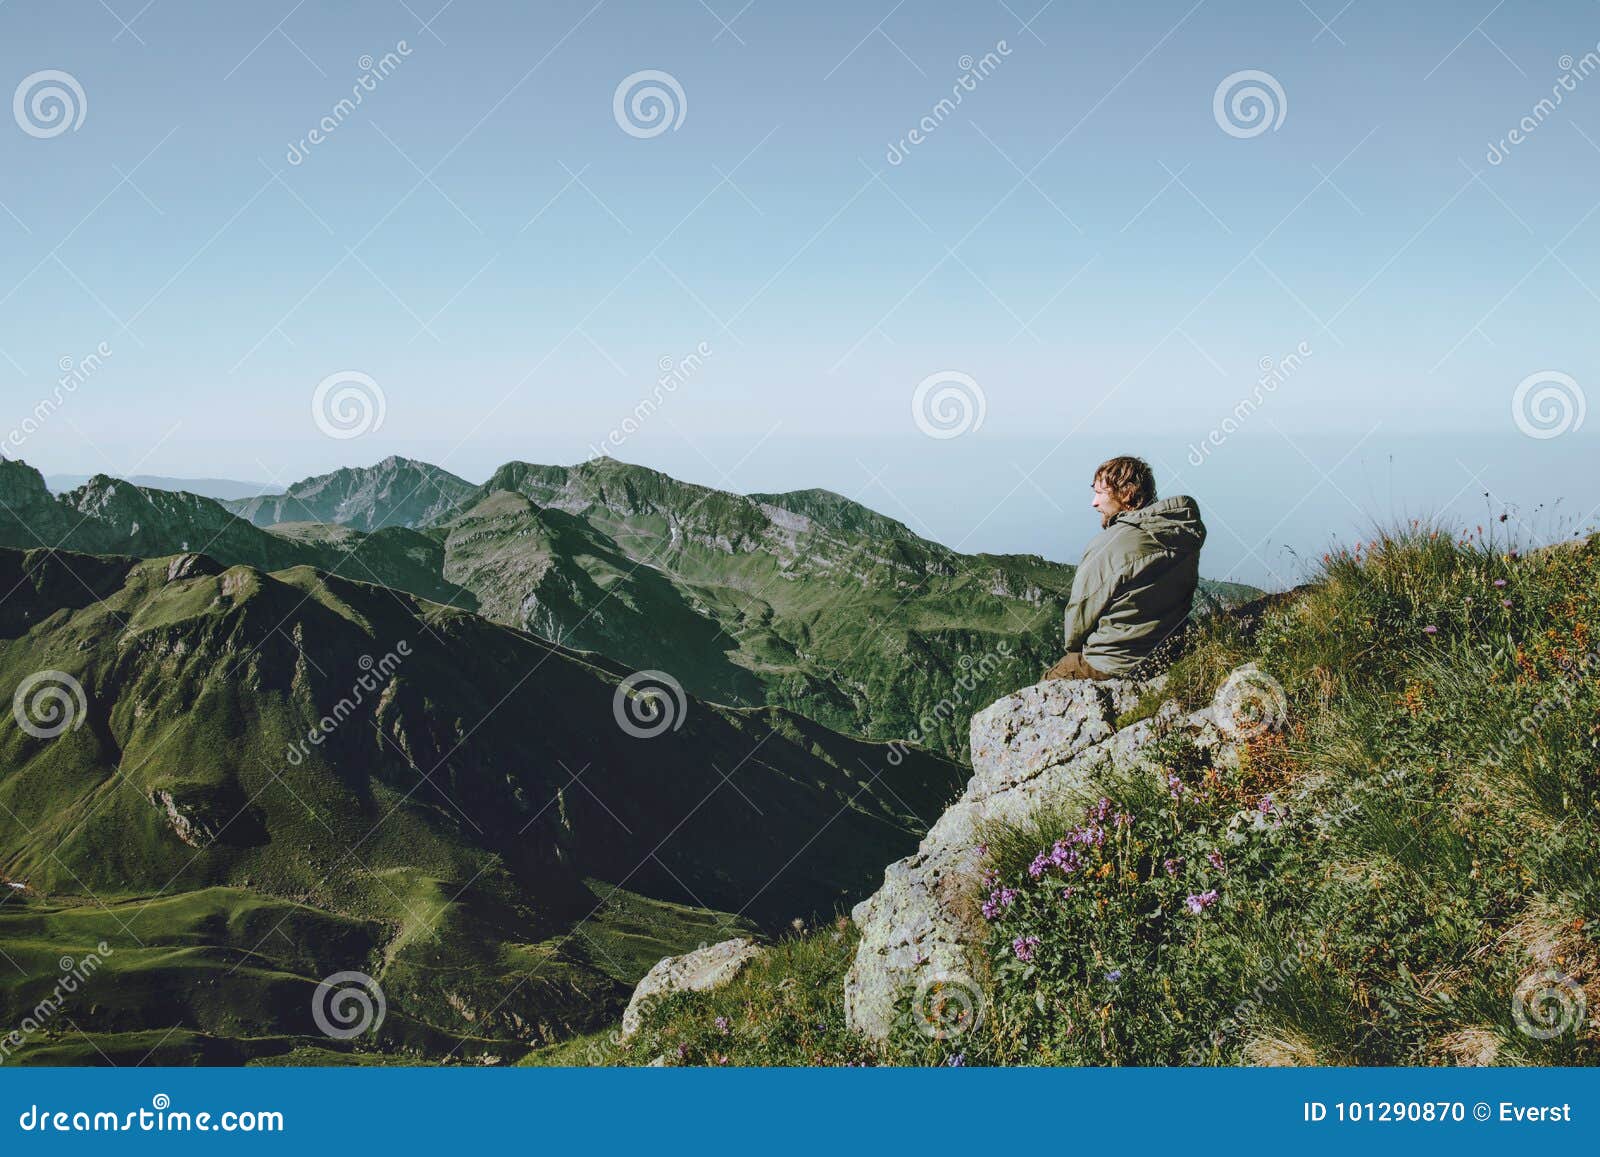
1092,588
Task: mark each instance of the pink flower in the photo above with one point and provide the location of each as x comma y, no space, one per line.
1430,629
1200,901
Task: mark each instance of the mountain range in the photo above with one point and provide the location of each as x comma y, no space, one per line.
403,733
805,600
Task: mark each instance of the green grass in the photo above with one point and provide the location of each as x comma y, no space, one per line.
1404,870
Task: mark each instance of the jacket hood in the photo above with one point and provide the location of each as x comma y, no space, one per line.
1174,523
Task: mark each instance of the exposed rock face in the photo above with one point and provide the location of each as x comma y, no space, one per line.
192,566
923,925
196,830
697,971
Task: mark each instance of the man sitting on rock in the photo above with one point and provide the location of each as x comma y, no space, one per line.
1134,587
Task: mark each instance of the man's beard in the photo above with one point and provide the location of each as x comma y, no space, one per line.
1105,520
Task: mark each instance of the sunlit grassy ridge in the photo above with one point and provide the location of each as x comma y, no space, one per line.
1402,872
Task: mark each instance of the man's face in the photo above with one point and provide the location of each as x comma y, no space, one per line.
1106,503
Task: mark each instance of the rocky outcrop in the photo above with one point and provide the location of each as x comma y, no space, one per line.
699,971
923,927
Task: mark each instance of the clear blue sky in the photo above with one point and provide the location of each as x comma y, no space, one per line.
1080,237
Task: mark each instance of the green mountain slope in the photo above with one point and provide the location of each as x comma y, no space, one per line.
806,600
457,830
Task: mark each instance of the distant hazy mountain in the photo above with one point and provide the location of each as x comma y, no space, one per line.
395,492
109,516
451,850
218,488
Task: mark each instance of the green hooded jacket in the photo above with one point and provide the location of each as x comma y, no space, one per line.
1135,584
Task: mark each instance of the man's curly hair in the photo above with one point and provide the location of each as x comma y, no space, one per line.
1129,479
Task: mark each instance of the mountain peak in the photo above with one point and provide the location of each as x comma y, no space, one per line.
397,491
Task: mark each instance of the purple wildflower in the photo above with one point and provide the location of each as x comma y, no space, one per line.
1122,819
1066,893
956,1060
999,900
1265,806
722,1025
1215,859
1174,786
1114,975
1173,865
1024,947
1200,901
1505,602
1499,582
1430,629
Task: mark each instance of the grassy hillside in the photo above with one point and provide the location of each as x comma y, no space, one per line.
1403,872
458,828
